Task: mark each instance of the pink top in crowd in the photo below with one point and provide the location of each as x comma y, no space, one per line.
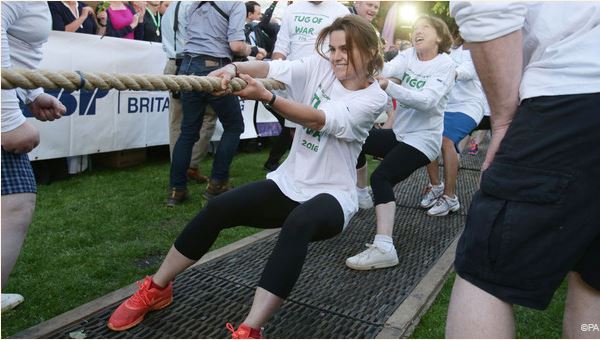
121,18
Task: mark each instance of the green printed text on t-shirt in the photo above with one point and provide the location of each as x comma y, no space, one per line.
305,24
314,136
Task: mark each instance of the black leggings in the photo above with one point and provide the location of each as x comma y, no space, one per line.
400,160
485,124
282,143
262,205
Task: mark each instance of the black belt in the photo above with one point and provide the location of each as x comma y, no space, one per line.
211,58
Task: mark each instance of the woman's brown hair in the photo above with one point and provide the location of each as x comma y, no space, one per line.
442,30
360,34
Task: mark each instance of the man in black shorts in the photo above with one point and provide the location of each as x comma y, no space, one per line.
533,221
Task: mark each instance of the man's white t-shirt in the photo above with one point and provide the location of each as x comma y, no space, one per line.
561,41
467,94
421,99
301,25
325,161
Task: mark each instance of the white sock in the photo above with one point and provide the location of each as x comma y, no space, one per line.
364,190
438,186
384,242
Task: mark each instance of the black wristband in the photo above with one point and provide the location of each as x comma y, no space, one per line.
272,101
253,51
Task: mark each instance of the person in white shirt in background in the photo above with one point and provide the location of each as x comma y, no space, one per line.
366,9
173,41
427,74
300,26
25,28
534,220
311,195
463,113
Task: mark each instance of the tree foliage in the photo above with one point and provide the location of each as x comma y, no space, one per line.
441,8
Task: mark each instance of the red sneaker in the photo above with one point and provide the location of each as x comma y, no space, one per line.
244,332
132,311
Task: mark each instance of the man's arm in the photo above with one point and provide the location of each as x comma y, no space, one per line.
499,64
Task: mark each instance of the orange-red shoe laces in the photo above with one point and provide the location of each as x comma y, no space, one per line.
232,330
141,296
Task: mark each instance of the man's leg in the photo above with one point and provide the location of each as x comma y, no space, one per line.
281,144
206,132
17,211
229,113
201,146
193,107
582,309
473,313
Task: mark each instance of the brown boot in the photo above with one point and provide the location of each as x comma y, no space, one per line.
215,188
195,175
176,196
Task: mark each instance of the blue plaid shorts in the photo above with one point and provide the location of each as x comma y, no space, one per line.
17,174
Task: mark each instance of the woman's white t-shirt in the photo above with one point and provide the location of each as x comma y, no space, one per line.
421,99
325,161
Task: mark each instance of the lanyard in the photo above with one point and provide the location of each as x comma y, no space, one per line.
155,21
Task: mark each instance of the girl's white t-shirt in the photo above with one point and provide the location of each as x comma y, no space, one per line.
467,94
421,99
325,161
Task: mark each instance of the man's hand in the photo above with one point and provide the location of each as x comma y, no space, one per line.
87,10
47,108
226,73
498,133
135,21
253,90
262,53
22,139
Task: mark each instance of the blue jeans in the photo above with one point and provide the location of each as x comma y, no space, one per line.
227,109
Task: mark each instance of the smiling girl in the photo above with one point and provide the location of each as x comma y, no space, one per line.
427,74
311,196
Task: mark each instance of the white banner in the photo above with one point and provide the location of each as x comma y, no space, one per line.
102,121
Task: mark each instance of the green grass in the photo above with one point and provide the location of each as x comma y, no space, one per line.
531,324
104,229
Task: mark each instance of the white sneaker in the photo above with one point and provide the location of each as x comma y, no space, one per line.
365,201
373,258
431,195
10,301
444,205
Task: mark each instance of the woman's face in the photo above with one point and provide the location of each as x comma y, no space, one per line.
424,37
338,56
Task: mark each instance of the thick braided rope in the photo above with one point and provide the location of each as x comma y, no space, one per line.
69,80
